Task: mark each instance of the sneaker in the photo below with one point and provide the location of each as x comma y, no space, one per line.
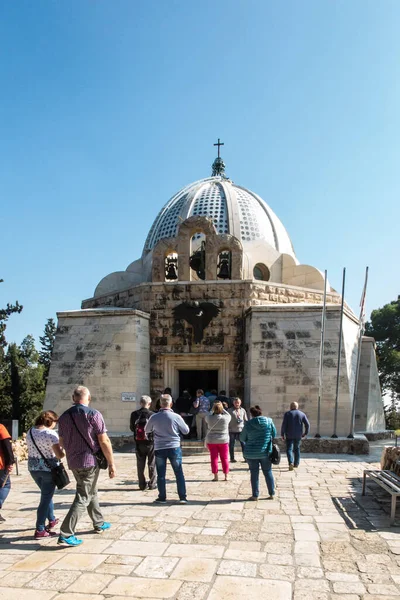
296,466
69,541
253,498
159,501
52,524
102,528
183,501
272,497
291,467
44,534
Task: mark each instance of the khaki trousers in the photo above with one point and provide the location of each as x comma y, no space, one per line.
85,499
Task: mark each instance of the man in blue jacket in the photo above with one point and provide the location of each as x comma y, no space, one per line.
292,431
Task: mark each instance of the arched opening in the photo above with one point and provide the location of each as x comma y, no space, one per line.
171,266
261,272
197,260
224,265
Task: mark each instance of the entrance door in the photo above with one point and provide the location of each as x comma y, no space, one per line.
194,380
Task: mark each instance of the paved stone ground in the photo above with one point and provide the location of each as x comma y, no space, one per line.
319,540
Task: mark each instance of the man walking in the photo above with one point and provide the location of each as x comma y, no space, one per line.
144,444
202,406
166,427
292,431
236,424
82,433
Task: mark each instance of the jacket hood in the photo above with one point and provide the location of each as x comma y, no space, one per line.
258,423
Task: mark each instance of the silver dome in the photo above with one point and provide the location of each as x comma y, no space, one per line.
233,209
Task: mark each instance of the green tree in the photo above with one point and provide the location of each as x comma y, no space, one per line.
47,343
5,382
5,313
384,326
26,384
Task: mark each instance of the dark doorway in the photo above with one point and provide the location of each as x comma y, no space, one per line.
194,380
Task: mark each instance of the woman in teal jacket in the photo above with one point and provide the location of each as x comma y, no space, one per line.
258,435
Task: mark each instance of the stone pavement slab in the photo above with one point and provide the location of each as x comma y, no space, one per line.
318,540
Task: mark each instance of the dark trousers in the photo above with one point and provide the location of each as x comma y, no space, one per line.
232,439
145,451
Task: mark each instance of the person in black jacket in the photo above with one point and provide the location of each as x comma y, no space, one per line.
6,465
144,444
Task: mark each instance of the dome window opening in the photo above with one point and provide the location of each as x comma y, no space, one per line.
224,269
261,272
171,266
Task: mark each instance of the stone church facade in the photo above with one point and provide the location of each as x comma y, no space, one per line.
217,300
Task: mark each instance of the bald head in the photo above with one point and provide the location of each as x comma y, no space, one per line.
294,405
81,395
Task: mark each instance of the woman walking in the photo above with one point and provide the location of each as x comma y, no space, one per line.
217,438
44,451
258,435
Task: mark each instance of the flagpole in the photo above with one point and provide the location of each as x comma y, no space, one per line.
360,337
334,435
321,359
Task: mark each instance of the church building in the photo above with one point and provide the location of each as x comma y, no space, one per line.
218,300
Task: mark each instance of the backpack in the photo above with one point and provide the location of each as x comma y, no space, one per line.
139,428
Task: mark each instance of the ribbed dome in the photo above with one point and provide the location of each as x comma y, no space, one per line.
234,210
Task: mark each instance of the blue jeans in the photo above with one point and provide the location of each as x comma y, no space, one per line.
254,466
4,491
293,447
45,509
174,455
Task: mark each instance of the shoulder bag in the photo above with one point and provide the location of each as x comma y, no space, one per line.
58,474
98,455
275,454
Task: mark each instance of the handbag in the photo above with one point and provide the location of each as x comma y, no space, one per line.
58,473
275,456
98,455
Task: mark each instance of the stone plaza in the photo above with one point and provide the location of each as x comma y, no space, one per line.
320,539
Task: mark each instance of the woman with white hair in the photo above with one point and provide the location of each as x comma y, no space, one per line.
217,438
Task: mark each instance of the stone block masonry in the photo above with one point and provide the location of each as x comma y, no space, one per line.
224,335
106,350
282,362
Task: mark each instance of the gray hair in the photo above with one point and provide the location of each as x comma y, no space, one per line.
80,393
165,400
294,405
145,400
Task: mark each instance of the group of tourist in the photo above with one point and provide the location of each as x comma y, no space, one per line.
82,437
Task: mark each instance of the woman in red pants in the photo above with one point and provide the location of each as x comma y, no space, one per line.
217,438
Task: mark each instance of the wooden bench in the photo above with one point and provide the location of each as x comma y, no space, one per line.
389,481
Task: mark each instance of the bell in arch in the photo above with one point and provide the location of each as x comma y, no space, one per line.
171,268
224,266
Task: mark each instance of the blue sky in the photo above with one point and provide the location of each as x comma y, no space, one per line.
107,108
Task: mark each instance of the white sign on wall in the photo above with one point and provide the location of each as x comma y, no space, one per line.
128,396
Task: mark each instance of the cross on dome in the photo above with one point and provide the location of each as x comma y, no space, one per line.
219,143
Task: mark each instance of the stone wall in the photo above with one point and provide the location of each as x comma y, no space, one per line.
105,350
282,363
225,334
369,414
